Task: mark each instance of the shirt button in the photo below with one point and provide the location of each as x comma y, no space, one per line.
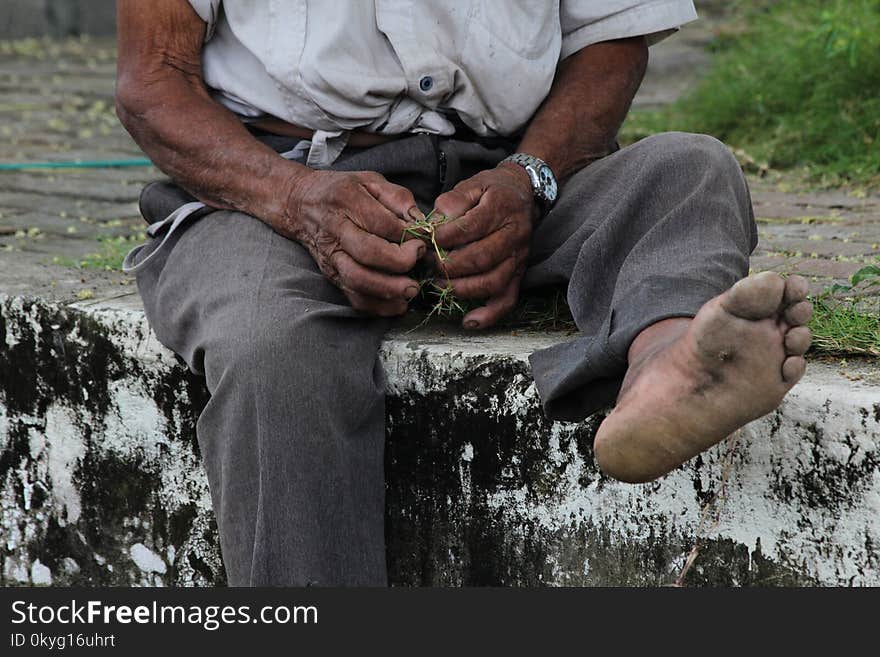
426,83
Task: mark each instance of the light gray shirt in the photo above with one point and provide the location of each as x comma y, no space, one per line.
396,66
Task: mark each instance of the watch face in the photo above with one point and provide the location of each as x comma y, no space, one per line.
548,183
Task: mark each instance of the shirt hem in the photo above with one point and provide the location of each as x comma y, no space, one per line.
656,21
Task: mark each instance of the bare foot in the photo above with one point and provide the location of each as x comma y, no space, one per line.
690,389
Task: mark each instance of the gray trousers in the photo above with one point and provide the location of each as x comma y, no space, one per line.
292,437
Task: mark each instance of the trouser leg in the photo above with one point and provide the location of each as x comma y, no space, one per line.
292,437
648,233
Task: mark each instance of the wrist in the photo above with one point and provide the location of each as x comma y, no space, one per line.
520,176
523,182
545,187
286,192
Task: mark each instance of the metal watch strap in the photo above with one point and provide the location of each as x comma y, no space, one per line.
527,161
524,160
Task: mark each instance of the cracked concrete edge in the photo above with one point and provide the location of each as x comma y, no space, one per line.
98,481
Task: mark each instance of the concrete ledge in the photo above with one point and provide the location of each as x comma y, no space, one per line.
101,483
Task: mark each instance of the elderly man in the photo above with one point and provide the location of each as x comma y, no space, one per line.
303,137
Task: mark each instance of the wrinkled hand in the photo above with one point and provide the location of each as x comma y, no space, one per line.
352,223
488,242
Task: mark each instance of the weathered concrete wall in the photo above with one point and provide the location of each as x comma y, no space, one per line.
100,480
56,18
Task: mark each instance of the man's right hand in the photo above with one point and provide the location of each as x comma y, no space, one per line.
352,224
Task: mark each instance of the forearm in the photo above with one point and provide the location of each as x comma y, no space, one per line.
206,150
163,102
589,99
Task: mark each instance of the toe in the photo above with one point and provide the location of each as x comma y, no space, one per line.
799,313
796,288
797,341
793,369
755,297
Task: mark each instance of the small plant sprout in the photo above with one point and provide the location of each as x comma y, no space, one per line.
445,304
425,229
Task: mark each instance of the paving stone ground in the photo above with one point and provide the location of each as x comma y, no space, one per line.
56,105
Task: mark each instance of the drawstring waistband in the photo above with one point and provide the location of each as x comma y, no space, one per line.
174,219
184,212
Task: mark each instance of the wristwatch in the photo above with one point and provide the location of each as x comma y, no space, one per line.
544,184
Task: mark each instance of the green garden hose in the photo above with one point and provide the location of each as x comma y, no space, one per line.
76,164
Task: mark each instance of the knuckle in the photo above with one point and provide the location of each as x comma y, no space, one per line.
500,284
356,301
345,196
387,289
390,224
451,268
485,259
401,194
390,263
367,252
396,265
448,202
345,278
406,259
335,260
485,288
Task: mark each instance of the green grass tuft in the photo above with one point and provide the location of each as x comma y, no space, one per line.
110,254
797,87
849,325
843,330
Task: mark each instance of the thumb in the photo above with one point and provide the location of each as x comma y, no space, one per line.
394,197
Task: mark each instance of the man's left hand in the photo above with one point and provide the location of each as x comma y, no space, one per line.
488,241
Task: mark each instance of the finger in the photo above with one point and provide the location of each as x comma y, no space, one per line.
487,284
377,307
415,214
354,277
483,255
397,199
495,309
365,212
474,225
377,253
456,202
